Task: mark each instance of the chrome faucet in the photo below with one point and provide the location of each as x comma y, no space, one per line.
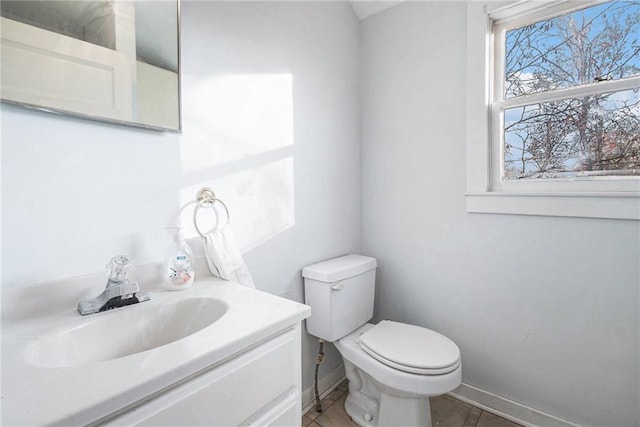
119,291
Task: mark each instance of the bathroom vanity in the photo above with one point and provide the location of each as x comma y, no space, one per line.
217,354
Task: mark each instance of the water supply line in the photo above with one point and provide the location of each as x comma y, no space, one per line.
319,361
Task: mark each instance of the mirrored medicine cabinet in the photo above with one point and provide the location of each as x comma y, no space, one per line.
112,60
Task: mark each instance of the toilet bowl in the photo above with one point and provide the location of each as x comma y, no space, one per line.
383,395
393,368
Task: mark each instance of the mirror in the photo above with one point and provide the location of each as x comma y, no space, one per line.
110,60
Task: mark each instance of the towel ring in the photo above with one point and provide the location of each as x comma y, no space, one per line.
207,198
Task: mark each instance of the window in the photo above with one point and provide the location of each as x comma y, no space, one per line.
561,94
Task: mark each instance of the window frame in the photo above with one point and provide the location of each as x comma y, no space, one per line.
594,197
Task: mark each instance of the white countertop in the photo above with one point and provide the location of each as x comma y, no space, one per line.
78,395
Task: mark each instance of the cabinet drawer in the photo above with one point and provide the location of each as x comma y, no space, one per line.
228,394
285,414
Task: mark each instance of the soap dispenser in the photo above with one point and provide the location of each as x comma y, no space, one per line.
179,262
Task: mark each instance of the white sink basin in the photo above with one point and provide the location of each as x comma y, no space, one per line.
125,331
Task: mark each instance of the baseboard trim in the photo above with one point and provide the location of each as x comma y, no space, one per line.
506,408
326,385
490,402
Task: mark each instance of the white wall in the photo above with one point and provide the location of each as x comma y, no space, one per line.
300,187
544,310
76,192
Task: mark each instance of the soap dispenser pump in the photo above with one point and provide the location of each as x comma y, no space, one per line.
179,262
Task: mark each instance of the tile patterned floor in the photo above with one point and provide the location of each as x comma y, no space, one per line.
445,412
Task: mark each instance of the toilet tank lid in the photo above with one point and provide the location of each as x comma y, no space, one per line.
339,268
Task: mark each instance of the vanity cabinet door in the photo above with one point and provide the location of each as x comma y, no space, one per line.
260,386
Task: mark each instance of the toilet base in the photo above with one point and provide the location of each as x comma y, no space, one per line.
369,403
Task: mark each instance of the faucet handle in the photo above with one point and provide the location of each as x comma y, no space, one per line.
120,268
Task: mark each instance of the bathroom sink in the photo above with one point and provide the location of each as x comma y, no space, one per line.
123,332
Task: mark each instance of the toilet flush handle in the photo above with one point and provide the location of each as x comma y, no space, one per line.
337,286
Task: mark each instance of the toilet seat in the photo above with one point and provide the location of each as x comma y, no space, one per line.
410,348
400,381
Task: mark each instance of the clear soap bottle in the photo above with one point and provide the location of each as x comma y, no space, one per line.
179,262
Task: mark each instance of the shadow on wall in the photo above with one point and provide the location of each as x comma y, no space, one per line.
238,140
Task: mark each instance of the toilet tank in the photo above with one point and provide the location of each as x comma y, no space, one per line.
340,292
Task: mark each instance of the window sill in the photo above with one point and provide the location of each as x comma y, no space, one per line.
580,205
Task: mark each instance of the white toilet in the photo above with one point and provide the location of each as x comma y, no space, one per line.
393,368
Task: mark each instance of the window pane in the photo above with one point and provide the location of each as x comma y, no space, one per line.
592,136
586,46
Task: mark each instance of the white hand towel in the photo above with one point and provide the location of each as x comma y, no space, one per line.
224,257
